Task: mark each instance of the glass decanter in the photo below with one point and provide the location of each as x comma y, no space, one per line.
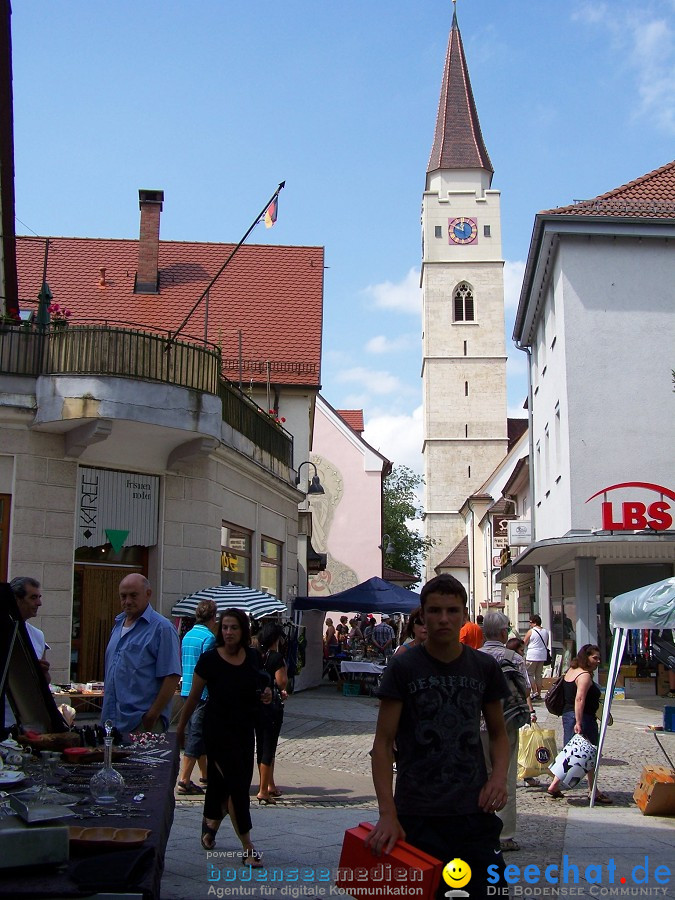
107,784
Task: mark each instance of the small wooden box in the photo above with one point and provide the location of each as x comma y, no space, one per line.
404,866
655,793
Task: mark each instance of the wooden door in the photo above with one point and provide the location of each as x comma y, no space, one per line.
97,601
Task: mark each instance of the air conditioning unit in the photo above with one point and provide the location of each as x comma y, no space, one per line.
520,533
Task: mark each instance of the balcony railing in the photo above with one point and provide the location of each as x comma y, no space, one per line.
138,354
249,419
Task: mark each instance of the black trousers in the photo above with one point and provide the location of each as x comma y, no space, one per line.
473,838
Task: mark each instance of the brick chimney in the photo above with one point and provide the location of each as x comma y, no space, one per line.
147,276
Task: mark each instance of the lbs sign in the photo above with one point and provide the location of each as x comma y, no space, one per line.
634,515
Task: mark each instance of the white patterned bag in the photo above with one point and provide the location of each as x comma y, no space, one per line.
575,759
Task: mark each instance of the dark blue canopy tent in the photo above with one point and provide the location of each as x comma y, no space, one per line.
372,596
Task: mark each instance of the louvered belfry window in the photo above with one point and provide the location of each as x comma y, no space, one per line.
463,303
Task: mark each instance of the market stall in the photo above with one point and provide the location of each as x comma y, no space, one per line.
651,607
61,836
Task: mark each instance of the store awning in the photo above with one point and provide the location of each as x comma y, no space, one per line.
605,547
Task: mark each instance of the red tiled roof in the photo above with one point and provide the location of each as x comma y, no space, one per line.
273,294
353,418
398,577
652,195
458,140
457,558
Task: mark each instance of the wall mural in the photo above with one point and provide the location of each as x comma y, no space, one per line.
337,576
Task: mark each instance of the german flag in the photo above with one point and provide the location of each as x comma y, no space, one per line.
271,213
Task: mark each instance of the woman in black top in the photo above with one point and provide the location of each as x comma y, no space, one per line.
231,672
271,717
582,699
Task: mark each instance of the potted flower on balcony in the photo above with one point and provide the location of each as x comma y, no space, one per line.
58,315
7,321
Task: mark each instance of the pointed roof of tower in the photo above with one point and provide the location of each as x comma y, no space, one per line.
458,141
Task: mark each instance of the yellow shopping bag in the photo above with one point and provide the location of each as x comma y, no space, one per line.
536,751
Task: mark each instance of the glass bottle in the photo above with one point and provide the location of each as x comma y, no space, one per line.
107,784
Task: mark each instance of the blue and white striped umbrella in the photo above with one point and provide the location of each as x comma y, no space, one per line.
255,603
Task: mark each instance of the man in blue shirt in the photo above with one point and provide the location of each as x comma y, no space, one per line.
142,662
199,639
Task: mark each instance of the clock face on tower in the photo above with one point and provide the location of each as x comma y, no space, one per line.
462,230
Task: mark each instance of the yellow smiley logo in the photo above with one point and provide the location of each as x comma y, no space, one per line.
457,873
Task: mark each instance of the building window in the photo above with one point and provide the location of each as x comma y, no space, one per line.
486,231
5,501
438,231
235,555
466,388
466,347
463,307
270,566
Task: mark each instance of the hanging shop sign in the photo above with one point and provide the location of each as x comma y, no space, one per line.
114,507
500,533
636,515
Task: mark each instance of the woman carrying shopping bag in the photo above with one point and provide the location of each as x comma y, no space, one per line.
582,699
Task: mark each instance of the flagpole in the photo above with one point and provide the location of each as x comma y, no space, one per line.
172,337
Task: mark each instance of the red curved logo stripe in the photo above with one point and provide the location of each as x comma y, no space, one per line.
657,488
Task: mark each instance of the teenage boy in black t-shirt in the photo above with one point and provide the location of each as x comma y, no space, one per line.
432,698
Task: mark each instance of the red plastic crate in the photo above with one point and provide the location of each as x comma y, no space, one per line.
405,865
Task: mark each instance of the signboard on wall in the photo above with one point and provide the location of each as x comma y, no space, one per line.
116,507
500,533
520,533
643,510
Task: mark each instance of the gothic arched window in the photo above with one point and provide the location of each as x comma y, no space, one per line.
463,310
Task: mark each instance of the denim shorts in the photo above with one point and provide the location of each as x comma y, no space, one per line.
194,742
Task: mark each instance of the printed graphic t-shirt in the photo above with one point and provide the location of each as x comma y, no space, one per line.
440,765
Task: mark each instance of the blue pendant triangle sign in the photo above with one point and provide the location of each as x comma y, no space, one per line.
116,538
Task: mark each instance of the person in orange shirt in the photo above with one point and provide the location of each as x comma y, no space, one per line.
470,633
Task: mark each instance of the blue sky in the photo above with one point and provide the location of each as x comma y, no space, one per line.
217,101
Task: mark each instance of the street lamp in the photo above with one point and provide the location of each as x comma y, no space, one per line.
390,547
315,486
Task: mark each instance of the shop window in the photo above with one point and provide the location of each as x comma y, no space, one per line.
463,308
5,501
270,566
235,555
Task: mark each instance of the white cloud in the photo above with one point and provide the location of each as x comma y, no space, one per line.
404,296
398,437
644,37
382,344
372,380
513,281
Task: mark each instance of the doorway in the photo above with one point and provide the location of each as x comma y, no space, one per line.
95,605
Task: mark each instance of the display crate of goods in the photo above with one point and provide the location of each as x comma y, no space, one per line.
350,690
655,793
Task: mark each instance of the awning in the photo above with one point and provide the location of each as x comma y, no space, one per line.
604,547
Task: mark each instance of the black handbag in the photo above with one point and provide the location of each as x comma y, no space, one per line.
555,698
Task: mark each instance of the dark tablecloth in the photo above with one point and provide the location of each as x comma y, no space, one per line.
101,872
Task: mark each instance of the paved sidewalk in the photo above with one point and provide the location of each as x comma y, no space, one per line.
324,770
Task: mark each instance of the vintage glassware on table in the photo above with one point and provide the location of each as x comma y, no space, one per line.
107,784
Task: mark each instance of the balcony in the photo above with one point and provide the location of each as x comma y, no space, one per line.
142,356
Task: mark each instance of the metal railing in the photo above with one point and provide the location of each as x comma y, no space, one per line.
144,355
246,417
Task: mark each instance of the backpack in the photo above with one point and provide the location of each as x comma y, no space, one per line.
516,710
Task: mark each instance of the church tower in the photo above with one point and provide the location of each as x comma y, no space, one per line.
463,355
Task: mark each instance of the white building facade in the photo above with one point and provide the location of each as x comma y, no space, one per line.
597,318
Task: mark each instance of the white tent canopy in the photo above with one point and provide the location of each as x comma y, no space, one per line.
650,607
